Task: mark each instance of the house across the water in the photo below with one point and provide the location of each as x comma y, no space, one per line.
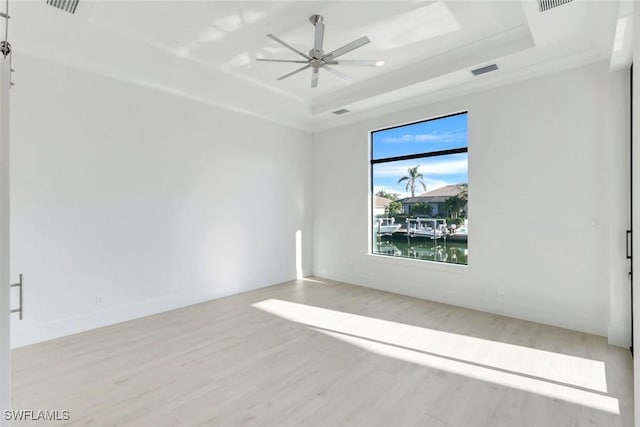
435,198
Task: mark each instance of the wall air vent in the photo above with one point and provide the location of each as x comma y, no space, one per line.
341,111
545,5
483,70
66,5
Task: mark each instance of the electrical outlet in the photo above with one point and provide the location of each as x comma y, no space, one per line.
98,301
501,291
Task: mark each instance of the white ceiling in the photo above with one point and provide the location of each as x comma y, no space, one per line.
206,50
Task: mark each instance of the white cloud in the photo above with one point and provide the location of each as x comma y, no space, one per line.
400,189
452,136
432,184
450,167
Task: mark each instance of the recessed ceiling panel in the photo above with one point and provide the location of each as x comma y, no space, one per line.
206,50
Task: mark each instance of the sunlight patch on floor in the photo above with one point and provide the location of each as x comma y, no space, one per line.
555,375
308,279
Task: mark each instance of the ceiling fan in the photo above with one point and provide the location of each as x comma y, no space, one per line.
317,59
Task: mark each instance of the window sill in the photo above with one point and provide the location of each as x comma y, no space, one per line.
420,263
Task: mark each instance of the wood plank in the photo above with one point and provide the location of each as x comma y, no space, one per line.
227,362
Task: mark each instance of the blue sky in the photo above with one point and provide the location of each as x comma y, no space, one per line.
435,135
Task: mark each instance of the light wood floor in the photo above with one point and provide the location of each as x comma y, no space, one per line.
321,353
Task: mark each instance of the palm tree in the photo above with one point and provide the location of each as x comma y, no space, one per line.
412,179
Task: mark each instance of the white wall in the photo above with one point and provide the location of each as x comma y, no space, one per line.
5,355
541,220
618,178
142,201
636,212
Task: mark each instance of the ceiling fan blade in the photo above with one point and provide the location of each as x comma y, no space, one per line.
347,48
357,62
294,72
338,74
314,77
317,45
281,60
271,36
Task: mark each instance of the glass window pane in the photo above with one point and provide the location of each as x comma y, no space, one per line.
420,208
434,135
433,172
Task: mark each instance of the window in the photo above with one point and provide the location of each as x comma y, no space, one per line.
420,190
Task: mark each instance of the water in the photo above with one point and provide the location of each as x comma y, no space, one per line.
422,248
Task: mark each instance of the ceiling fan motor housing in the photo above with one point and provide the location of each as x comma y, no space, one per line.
314,19
316,53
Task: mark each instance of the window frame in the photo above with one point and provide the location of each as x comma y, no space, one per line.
372,162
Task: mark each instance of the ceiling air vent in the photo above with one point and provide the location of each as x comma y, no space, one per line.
66,5
545,5
483,70
341,111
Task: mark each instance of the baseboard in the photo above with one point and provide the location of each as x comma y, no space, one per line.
474,302
619,335
27,332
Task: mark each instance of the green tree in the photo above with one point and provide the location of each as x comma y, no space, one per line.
413,178
464,191
454,205
394,208
421,208
390,196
